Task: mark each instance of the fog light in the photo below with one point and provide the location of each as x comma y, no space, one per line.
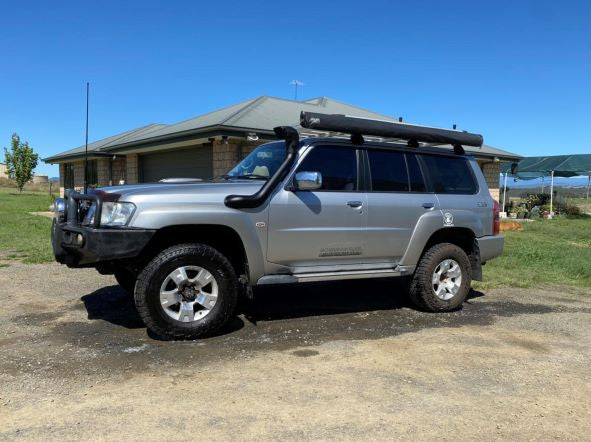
79,239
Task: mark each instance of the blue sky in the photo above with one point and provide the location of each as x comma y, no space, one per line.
517,71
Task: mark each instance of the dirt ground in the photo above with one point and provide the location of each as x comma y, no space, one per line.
347,360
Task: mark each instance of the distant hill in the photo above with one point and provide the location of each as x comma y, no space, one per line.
558,182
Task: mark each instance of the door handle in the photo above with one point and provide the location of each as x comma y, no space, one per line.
355,204
428,205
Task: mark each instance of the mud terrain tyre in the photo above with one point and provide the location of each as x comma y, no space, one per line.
442,279
187,291
126,279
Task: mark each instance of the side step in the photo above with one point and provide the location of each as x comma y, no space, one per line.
332,276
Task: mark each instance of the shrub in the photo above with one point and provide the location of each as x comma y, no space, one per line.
536,199
573,210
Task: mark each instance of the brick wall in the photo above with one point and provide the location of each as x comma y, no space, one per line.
103,171
132,169
119,165
78,175
62,175
226,156
491,173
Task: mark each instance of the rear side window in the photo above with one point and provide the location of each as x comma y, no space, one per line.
388,171
338,166
449,174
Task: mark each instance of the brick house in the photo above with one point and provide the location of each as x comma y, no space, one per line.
209,145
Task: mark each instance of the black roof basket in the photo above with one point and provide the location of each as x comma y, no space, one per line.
358,127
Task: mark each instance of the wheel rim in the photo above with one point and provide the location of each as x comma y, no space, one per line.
188,293
447,279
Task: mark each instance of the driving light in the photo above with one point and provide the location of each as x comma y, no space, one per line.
116,214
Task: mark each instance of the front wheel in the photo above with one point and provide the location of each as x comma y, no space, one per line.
442,279
187,291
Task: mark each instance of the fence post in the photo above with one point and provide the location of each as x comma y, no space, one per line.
551,194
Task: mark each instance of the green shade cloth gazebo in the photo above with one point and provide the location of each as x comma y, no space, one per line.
557,165
561,165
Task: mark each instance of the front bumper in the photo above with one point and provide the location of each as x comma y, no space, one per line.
490,247
97,244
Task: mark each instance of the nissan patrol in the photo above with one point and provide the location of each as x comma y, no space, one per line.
292,211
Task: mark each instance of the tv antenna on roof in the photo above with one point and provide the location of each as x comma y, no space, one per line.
296,83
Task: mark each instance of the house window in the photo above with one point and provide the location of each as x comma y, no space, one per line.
68,176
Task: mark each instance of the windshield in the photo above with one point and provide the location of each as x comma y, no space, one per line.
261,163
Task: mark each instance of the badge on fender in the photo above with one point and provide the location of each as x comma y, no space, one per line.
448,219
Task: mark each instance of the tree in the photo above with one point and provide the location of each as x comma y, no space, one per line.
20,162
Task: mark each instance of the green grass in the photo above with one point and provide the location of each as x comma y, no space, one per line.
554,251
22,236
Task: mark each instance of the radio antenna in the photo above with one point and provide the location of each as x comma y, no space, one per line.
86,143
296,83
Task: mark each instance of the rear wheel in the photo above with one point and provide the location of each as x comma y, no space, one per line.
187,291
442,279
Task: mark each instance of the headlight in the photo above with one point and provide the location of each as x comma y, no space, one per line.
116,214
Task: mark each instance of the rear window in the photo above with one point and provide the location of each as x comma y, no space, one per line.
388,171
449,174
393,171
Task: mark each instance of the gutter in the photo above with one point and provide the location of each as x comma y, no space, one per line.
204,132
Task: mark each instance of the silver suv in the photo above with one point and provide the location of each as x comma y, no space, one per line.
292,211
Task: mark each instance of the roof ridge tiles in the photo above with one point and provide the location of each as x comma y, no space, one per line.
254,103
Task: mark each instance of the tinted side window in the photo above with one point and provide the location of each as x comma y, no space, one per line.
338,166
449,174
388,171
417,184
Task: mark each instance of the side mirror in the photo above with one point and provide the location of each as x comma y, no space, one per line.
308,180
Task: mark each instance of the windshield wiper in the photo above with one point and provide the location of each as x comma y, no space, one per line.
251,176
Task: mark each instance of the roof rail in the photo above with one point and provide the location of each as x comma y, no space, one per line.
357,127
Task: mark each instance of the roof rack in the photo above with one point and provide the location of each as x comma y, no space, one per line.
358,126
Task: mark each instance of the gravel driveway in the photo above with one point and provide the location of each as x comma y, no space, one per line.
347,360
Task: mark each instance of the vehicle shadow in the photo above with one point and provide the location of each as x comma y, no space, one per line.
114,305
325,298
